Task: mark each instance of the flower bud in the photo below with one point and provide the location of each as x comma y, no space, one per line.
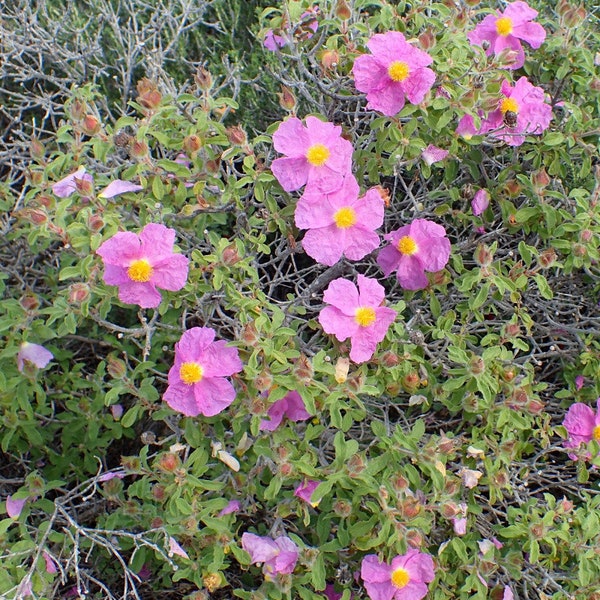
409,507
203,79
547,258
168,462
35,215
449,510
390,359
37,150
342,10
355,465
158,493
263,381
95,223
78,292
236,135
191,144
115,367
250,334
122,139
513,188
287,100
78,109
29,302
342,508
483,256
540,179
427,40
411,382
90,125
116,410
477,365
414,538
579,250
586,235
139,148
84,185
230,255
212,166
303,369
330,60
148,94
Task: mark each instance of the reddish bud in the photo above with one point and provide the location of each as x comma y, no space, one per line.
286,469
342,508
409,507
139,148
303,369
29,302
579,250
203,79
148,94
115,367
230,255
212,166
342,10
169,462
356,465
287,100
449,510
258,406
191,144
236,135
586,235
390,359
330,59
158,492
37,150
535,407
78,109
411,381
414,538
263,381
483,256
477,365
547,258
250,334
399,483
513,188
35,215
90,125
540,179
79,292
427,39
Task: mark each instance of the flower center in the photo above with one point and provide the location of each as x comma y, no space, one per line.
345,217
317,155
408,246
508,104
364,316
400,577
398,70
190,373
504,26
596,433
140,270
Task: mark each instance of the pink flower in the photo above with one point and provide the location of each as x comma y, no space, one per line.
406,578
50,562
579,381
305,490
290,406
503,31
357,314
68,185
278,555
175,548
433,154
14,507
117,187
139,264
521,111
394,70
273,41
480,202
34,354
231,507
508,594
340,223
304,30
315,155
197,383
466,127
582,425
415,248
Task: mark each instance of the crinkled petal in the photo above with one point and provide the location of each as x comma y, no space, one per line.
14,507
291,173
157,242
180,397
326,244
363,345
275,416
121,249
418,84
115,275
371,292
67,185
295,409
388,259
388,100
532,33
219,360
419,565
413,590
580,420
369,73
484,32
342,294
171,273
345,193
291,138
261,549
175,548
372,570
118,187
213,395
311,214
411,273
519,12
193,343
33,353
359,242
334,322
144,294
433,154
480,202
370,209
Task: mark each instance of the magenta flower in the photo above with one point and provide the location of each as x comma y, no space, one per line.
14,507
433,154
197,383
357,314
582,425
290,406
579,382
503,31
305,491
480,202
406,578
68,185
304,30
139,264
232,507
118,187
521,111
395,70
315,155
273,41
278,555
340,223
34,354
415,248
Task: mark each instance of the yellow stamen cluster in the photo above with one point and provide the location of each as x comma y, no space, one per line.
364,316
504,26
317,155
400,578
398,70
509,104
345,217
596,433
140,270
190,373
406,245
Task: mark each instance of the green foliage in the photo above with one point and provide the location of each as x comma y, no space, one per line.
458,414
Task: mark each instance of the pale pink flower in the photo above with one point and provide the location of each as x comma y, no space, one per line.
50,562
433,154
25,589
277,556
582,425
480,202
459,522
466,127
356,313
406,578
139,264
503,31
231,507
305,490
14,507
175,548
197,383
508,594
394,71
470,477
529,113
315,155
116,410
341,223
290,406
111,475
33,353
305,29
68,185
119,186
415,248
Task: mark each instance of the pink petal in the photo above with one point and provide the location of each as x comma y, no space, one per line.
118,187
326,244
14,507
295,410
171,273
193,343
144,294
213,395
67,185
484,32
433,154
418,84
579,381
261,549
388,259
35,354
580,421
334,322
305,490
175,548
220,360
342,294
275,416
157,242
418,564
110,475
180,397
368,73
50,563
232,507
371,292
120,249
388,100
291,138
291,173
480,202
359,242
508,594
411,273
519,12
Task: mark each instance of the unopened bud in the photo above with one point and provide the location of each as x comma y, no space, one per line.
230,255
35,215
575,16
426,39
540,179
342,10
139,148
411,382
287,100
513,188
449,510
586,235
390,359
212,166
84,185
169,462
547,258
29,302
115,367
263,381
414,538
36,177
250,334
236,135
90,125
483,256
121,139
95,223
203,79
37,149
330,59
303,369
148,94
191,144
579,250
356,465
507,57
78,109
342,508
78,292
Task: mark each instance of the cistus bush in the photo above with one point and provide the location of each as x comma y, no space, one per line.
351,353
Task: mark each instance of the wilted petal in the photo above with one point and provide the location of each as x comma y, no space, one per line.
14,507
433,154
175,548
